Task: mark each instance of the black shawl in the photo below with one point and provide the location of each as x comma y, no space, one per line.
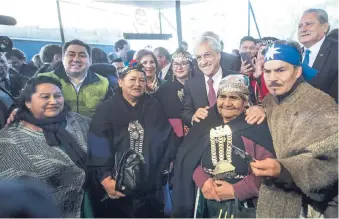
108,134
191,151
168,97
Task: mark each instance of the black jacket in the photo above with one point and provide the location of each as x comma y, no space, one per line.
17,81
28,70
327,64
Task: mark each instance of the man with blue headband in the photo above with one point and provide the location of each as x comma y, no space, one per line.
303,121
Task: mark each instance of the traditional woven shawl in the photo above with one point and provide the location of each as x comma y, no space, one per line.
24,152
304,128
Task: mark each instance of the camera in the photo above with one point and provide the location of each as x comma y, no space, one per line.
6,43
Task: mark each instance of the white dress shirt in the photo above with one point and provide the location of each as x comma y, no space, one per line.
314,51
77,86
216,81
164,70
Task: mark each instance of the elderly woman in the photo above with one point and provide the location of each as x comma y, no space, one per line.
131,144
216,155
171,93
150,67
47,142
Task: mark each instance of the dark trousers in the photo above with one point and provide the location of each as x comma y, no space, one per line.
144,207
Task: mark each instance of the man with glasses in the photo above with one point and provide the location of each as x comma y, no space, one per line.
200,91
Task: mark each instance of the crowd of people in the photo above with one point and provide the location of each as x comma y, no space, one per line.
153,134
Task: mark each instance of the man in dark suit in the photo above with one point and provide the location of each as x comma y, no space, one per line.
10,80
164,61
320,52
200,91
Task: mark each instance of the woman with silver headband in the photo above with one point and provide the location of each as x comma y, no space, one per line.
216,180
171,93
130,146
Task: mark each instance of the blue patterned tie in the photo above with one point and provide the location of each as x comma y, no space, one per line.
307,57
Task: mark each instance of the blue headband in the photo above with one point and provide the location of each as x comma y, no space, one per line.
290,55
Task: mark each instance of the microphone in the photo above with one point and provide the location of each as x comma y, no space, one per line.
6,20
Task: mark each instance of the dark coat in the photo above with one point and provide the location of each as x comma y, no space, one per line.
17,81
327,64
28,69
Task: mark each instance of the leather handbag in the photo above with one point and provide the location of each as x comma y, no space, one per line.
130,172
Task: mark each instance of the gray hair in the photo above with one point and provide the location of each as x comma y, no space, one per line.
322,16
211,41
211,34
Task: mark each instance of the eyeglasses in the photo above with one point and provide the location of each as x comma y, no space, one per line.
182,64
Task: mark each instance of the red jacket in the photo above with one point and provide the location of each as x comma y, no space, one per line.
259,87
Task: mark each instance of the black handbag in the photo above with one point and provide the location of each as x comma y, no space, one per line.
130,172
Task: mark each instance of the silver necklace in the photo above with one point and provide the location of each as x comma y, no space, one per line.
136,133
218,137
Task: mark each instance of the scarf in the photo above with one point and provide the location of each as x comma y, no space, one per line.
56,134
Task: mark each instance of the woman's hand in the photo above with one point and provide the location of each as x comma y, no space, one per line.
11,116
209,190
109,185
224,190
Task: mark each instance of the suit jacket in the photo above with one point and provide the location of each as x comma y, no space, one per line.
230,62
327,64
195,95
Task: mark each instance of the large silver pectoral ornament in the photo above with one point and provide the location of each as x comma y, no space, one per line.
219,137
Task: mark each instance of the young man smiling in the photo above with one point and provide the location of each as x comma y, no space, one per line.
83,90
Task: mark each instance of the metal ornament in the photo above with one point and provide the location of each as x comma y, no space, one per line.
136,133
181,94
218,137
